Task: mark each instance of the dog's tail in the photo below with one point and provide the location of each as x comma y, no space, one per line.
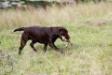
19,29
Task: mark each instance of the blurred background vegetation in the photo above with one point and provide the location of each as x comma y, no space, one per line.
89,23
43,3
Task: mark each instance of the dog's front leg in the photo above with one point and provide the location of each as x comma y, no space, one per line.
52,45
45,47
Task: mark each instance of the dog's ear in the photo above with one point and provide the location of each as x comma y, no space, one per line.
62,31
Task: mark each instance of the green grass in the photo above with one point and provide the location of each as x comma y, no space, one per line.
90,28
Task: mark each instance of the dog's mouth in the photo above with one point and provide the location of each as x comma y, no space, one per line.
68,42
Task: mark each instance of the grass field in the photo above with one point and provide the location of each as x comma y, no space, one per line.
90,28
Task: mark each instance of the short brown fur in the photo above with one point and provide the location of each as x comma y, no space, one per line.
44,35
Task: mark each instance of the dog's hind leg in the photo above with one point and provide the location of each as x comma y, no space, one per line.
24,40
32,45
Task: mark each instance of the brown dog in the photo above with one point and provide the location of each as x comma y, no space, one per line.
44,35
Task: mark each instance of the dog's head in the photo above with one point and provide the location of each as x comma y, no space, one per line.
63,32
